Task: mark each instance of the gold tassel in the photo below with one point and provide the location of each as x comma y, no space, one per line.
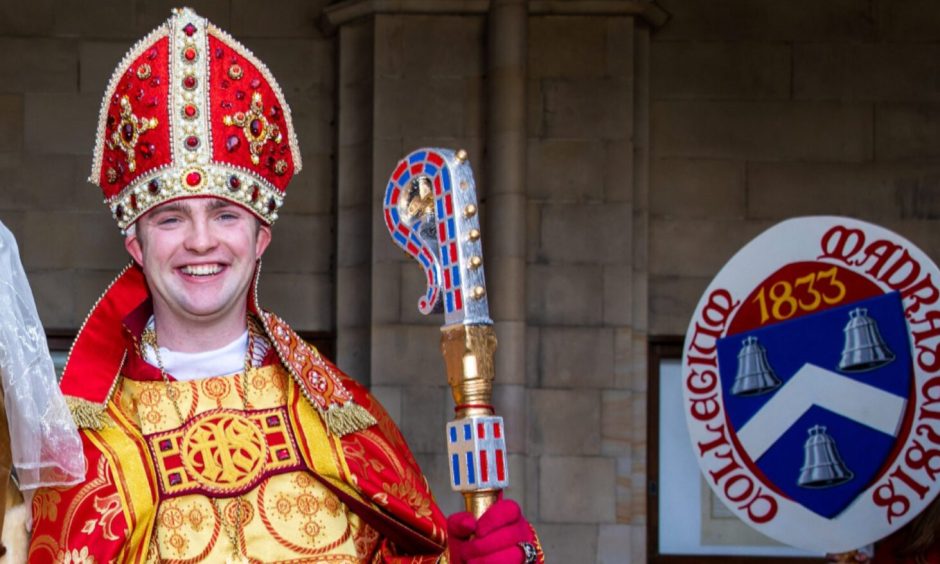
87,414
348,419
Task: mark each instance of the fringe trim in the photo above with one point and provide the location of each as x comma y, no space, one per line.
346,419
87,414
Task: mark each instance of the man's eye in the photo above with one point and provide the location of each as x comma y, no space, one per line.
167,220
228,216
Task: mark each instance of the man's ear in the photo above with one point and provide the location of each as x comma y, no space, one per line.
264,239
133,246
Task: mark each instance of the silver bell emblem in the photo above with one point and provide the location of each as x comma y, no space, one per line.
822,465
755,376
864,348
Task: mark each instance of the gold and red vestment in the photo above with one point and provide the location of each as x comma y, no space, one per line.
260,461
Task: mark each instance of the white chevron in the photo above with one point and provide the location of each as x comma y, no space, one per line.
812,385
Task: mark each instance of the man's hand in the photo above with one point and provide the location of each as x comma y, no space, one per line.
502,535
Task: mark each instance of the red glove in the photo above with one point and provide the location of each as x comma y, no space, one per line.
494,539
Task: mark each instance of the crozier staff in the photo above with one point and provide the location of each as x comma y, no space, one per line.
213,433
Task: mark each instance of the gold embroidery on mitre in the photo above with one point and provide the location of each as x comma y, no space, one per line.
128,132
257,129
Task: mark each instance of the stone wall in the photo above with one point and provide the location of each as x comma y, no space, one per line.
765,110
580,295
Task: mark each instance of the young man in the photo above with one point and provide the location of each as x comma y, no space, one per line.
212,432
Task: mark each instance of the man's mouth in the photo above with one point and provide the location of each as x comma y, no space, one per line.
201,269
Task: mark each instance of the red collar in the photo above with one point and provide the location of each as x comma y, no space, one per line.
107,343
100,349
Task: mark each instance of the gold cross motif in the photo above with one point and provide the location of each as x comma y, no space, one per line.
257,129
128,132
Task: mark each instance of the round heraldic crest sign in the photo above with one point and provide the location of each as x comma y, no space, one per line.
811,382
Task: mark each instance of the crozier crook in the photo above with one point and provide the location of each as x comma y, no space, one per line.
431,212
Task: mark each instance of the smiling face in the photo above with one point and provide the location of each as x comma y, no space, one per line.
199,257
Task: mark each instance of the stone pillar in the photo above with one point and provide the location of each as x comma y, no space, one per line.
504,218
505,203
354,200
411,74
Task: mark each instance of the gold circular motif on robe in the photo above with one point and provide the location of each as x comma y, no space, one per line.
224,451
308,504
171,518
149,396
239,512
216,388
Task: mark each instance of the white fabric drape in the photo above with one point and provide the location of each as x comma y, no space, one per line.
47,450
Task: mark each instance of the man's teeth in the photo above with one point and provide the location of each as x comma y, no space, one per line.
202,269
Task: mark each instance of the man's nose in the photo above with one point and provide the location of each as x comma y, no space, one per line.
200,237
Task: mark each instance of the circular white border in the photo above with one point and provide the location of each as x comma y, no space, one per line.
862,522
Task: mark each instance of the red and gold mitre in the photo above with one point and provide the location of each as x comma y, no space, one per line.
191,112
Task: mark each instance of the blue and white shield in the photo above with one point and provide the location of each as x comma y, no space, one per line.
824,433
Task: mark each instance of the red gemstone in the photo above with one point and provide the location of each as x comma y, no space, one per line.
189,82
127,132
255,83
193,178
192,142
190,111
275,112
255,128
134,201
189,54
147,149
234,183
219,52
111,122
119,211
152,54
254,193
189,30
232,143
239,94
272,205
153,186
155,81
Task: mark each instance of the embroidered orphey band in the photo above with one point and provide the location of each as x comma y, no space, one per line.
224,452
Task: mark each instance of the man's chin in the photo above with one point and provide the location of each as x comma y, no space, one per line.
204,315
204,310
